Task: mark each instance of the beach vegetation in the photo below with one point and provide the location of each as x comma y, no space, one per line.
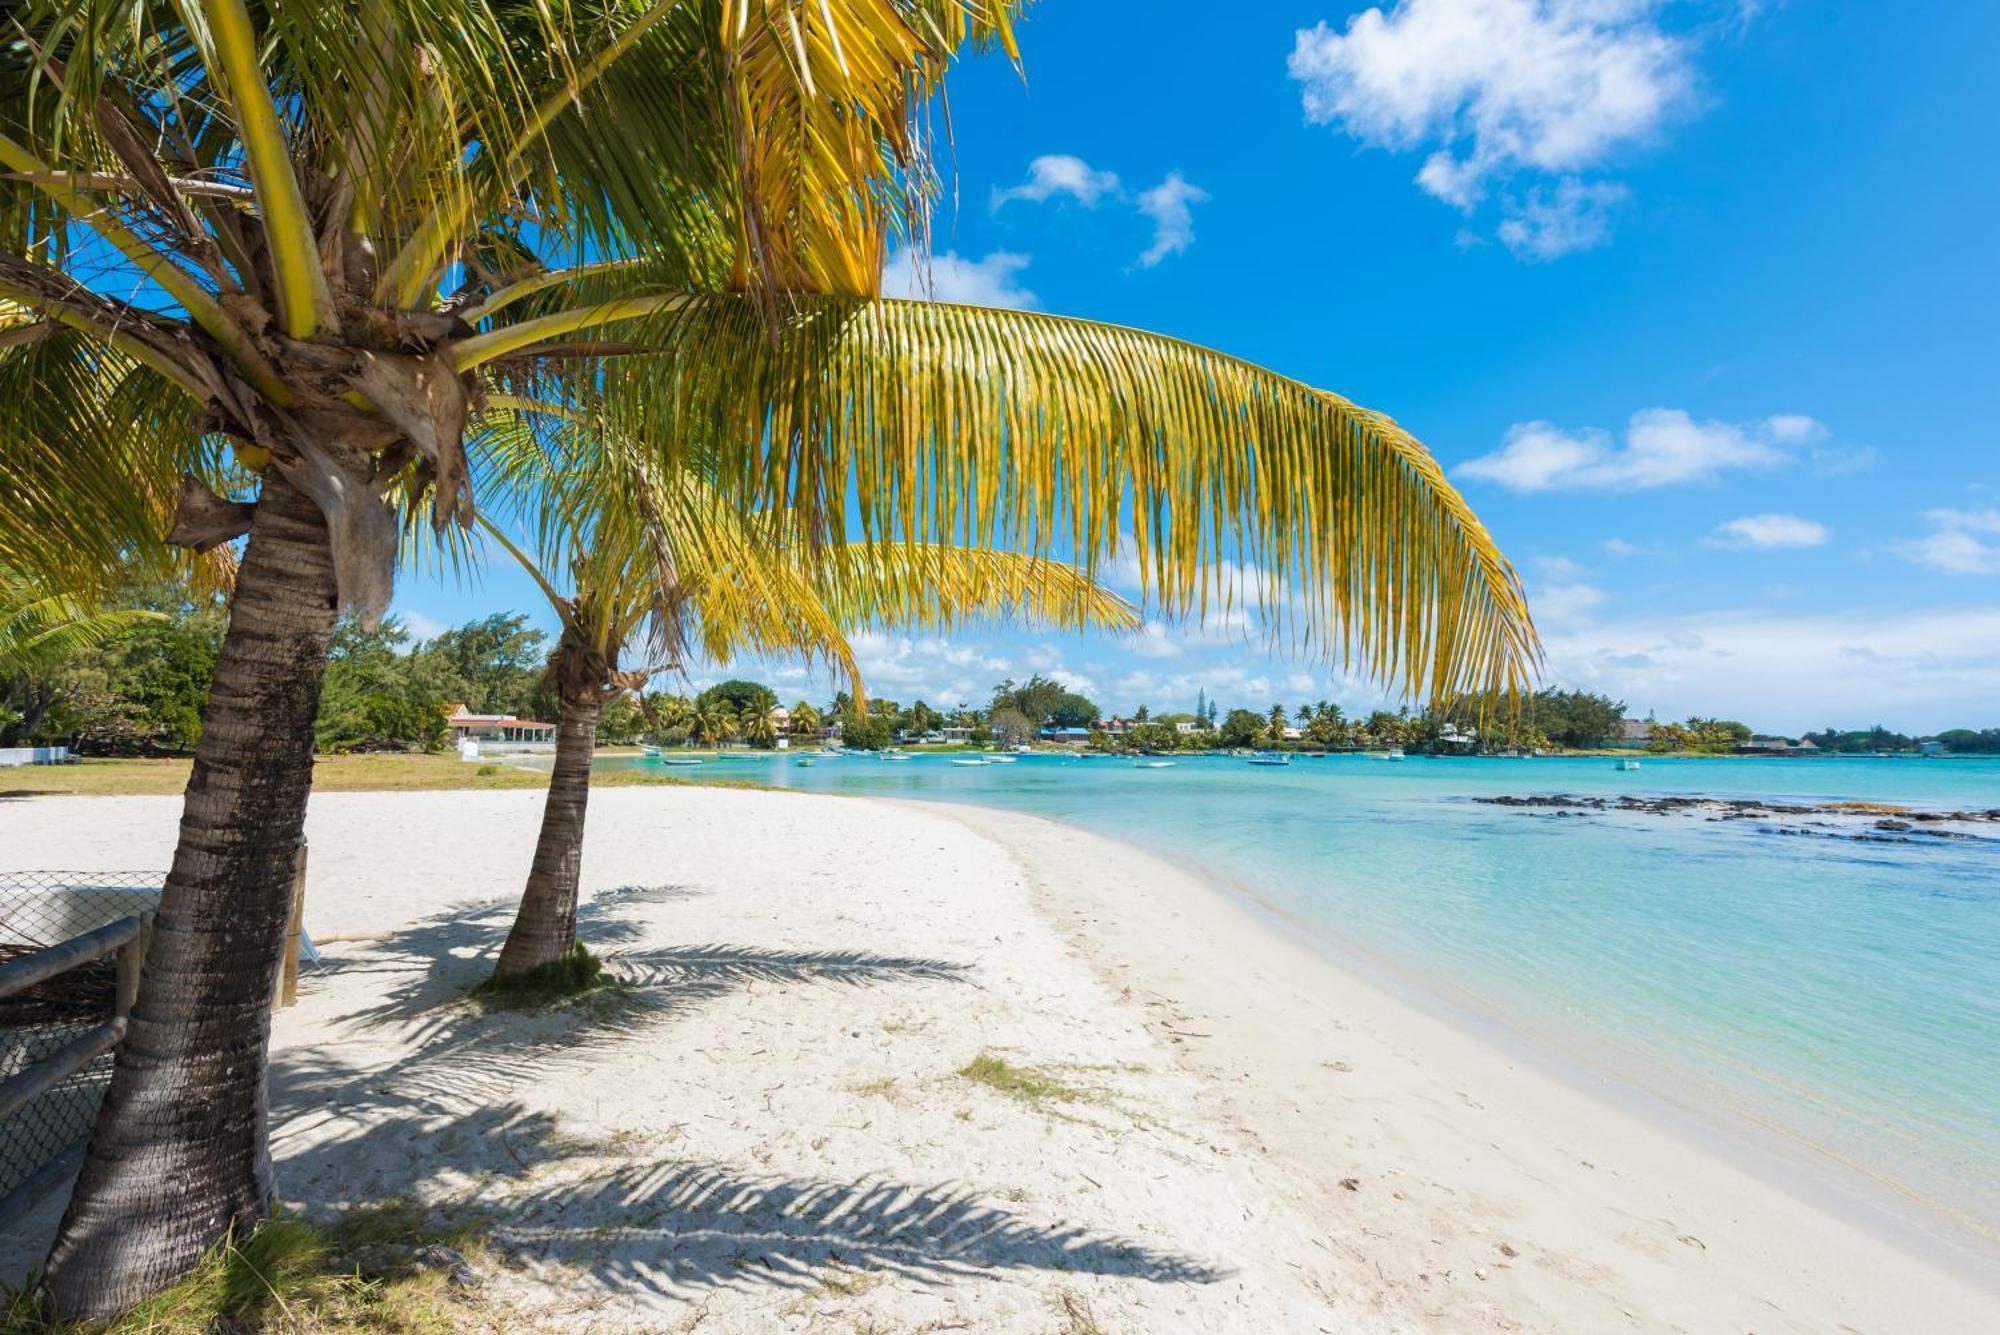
388,1268
574,973
1035,1086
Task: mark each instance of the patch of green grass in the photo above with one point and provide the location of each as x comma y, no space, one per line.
883,1088
290,1274
574,976
1036,1086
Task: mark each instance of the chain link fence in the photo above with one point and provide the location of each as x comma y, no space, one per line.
39,909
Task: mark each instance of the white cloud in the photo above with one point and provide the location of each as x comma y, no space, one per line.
1564,604
1662,447
1055,174
1499,87
1770,531
1913,670
1549,224
1154,640
1957,544
1168,205
420,626
949,277
1559,567
1620,547
1794,428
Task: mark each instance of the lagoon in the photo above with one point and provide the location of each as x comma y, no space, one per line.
1842,993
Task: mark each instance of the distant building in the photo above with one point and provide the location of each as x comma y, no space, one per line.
471,733
1186,728
1931,748
1065,736
1634,732
952,734
1777,746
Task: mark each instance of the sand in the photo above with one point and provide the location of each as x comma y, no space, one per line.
774,1134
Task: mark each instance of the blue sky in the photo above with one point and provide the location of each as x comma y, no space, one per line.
1696,301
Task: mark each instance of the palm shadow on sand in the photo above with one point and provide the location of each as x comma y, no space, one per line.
447,1110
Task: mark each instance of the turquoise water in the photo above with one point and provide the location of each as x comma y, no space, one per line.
1846,994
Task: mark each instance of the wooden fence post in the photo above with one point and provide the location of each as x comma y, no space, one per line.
131,961
288,980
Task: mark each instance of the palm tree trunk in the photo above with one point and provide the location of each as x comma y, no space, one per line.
545,927
180,1155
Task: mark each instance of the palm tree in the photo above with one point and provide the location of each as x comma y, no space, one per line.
322,208
806,721
668,551
668,712
1274,726
714,723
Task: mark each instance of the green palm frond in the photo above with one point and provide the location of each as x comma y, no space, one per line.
38,626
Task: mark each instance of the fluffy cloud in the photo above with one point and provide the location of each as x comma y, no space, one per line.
1770,531
1168,205
1055,174
949,277
1662,447
1959,543
1499,87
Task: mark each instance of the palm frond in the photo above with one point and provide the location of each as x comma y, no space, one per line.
1224,482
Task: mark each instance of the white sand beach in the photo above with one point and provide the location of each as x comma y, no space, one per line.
773,1134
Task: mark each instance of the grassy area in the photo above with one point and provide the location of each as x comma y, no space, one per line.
1035,1086
331,774
383,1268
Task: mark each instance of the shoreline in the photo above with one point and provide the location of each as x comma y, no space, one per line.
1873,1244
1222,1129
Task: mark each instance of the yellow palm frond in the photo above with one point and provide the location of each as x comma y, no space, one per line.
1062,437
821,94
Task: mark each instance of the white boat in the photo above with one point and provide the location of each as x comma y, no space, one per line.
804,762
649,750
896,755
675,760
1393,753
966,760
1152,764
1270,760
1001,760
1628,764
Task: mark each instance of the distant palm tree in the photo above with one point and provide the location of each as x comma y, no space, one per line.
761,726
669,713
714,723
1274,727
806,721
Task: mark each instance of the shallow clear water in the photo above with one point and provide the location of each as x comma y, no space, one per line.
1844,993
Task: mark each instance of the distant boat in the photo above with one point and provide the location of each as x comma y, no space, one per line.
649,750
1270,760
1000,760
1393,753
1152,764
804,762
958,760
1628,764
675,760
896,755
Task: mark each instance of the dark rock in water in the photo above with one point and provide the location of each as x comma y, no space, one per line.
1891,823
